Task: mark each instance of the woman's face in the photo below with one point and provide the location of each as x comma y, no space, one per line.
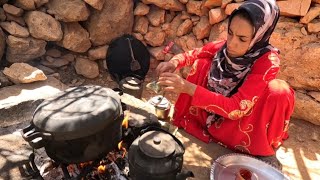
240,34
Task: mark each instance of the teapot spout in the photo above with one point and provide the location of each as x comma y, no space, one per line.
184,175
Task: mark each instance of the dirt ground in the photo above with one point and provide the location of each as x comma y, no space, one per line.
300,154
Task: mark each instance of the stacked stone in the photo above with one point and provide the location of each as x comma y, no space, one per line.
192,23
56,33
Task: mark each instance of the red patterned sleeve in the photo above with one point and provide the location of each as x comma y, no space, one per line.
241,103
188,58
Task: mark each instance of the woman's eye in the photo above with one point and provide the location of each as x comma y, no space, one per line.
242,40
229,32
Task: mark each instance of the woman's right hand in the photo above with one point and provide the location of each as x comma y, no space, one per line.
165,67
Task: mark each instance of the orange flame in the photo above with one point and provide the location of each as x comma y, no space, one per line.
102,169
125,122
121,147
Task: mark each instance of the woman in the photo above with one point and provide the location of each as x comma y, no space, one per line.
231,95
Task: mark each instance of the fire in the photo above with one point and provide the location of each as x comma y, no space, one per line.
125,122
102,169
121,147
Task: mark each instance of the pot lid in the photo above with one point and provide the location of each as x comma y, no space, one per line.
132,80
159,102
78,112
157,144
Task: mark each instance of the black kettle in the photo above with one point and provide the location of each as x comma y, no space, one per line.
157,155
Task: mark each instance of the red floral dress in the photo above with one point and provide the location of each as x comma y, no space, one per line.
254,120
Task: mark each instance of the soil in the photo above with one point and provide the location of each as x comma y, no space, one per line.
299,155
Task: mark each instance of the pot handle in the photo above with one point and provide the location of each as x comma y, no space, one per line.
151,128
35,138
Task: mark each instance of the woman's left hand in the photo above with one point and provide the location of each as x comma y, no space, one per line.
176,83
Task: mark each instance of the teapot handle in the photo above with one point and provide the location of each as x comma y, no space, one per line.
151,128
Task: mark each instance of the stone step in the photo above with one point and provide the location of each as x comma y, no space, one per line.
18,102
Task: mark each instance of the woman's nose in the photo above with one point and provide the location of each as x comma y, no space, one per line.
232,42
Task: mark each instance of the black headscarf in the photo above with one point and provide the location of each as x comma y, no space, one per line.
226,72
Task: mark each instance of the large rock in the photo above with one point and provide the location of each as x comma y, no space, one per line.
185,27
188,42
300,66
202,29
141,24
216,15
114,20
75,37
141,9
294,7
219,31
30,4
98,52
15,29
312,13
43,26
195,7
172,5
300,55
24,73
69,11
24,49
87,68
212,3
307,107
97,4
155,36
156,16
26,4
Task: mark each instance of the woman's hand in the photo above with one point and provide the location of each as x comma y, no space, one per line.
166,67
174,83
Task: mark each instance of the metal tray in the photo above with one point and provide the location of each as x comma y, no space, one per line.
226,166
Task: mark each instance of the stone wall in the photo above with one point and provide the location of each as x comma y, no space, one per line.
57,33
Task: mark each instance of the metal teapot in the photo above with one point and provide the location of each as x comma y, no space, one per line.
132,85
157,155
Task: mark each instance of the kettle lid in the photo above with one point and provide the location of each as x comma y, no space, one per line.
157,144
159,101
132,80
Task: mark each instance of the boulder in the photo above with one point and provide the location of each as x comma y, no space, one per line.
172,5
97,4
114,20
98,52
68,11
75,38
141,24
24,49
23,73
307,107
87,68
185,28
312,13
8,8
15,29
43,26
195,7
216,15
155,36
293,8
141,9
156,16
202,29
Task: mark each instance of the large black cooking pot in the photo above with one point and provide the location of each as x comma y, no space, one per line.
78,125
157,155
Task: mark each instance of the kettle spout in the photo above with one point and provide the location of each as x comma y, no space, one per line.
184,175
